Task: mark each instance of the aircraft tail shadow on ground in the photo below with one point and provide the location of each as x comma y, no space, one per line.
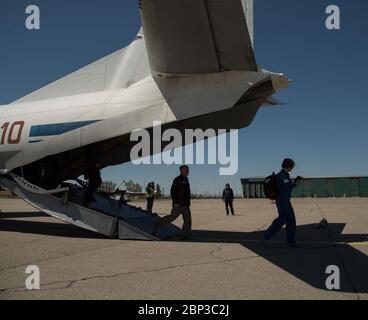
321,248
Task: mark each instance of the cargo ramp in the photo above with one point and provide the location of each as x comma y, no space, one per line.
106,215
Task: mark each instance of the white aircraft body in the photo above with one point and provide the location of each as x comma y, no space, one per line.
192,65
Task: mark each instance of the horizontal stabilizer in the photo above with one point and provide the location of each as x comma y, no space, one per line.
271,102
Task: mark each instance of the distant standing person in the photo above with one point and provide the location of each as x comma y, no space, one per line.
228,198
285,210
150,196
180,195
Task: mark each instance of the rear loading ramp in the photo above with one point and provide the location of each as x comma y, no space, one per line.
105,216
130,218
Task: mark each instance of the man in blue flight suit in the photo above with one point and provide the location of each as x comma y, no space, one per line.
286,212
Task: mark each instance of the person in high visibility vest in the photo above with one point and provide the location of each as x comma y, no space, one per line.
150,196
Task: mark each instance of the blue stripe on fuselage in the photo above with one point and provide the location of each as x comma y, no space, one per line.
57,128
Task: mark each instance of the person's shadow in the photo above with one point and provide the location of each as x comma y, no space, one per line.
321,248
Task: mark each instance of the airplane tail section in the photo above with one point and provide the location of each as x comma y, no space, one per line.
215,38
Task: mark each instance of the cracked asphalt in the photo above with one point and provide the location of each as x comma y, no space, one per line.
223,260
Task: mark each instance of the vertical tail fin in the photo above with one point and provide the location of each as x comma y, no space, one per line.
248,11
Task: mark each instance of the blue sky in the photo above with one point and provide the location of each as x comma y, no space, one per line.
323,126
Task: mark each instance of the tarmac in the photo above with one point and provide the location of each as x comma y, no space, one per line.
223,260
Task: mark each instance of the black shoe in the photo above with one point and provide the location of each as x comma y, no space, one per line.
186,238
154,232
264,242
294,246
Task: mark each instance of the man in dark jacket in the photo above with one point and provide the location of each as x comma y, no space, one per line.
180,195
228,198
286,212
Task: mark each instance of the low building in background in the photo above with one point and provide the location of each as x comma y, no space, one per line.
321,187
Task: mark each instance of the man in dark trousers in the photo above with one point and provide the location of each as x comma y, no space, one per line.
228,198
286,212
180,195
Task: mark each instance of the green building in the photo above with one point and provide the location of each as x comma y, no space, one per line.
314,187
